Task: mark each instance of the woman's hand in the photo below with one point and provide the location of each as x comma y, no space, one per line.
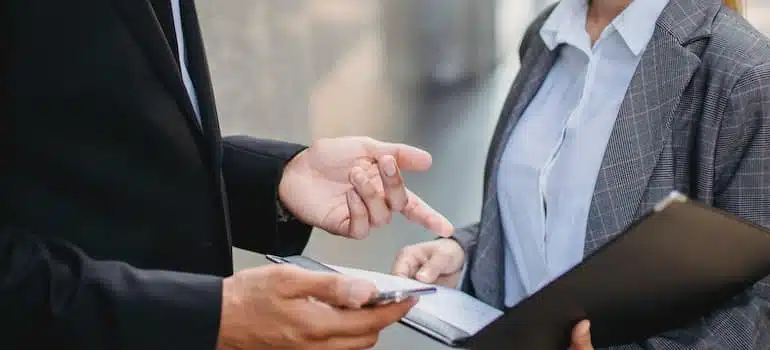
436,262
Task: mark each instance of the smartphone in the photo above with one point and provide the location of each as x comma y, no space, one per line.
382,298
397,296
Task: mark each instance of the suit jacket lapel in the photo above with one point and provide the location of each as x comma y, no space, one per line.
142,22
487,273
642,129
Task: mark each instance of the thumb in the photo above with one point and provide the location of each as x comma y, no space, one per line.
581,337
408,157
331,288
436,265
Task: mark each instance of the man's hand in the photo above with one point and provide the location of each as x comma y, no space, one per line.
436,262
349,185
581,337
285,307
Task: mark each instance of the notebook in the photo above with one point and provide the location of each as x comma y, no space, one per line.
675,265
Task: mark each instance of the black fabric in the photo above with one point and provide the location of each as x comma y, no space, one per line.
114,221
165,17
244,157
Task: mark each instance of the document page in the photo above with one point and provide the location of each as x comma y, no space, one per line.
450,305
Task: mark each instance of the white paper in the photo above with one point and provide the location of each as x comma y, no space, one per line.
450,305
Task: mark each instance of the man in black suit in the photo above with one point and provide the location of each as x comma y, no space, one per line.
119,201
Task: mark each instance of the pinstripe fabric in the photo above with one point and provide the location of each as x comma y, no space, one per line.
696,118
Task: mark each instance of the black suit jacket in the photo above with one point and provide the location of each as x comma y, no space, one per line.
108,183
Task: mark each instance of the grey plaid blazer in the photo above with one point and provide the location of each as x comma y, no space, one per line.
696,118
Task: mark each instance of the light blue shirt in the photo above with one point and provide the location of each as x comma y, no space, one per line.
182,51
553,156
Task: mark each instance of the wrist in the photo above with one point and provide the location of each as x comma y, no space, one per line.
228,325
285,183
283,213
283,189
457,254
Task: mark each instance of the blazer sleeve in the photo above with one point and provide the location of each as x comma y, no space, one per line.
742,173
467,237
54,296
252,171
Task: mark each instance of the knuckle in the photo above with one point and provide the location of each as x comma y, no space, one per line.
444,251
373,326
395,181
282,278
370,192
405,252
411,204
359,233
321,142
291,336
334,283
381,219
397,201
336,280
358,210
291,332
371,341
282,273
359,214
451,247
273,274
314,330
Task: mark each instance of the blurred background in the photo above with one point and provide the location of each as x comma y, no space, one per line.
431,73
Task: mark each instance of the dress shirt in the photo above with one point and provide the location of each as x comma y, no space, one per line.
188,83
552,159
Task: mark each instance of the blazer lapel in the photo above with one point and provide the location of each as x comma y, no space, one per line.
642,129
142,22
486,269
522,91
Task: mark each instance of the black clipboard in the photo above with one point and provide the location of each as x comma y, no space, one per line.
677,264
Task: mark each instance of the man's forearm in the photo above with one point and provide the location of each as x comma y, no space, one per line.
253,169
54,296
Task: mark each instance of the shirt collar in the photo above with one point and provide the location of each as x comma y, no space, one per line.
636,24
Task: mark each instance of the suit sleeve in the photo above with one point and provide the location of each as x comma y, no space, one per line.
467,238
54,296
252,172
742,173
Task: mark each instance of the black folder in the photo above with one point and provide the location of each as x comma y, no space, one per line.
677,264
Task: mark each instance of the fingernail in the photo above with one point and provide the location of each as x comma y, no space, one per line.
390,167
359,292
585,329
423,275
